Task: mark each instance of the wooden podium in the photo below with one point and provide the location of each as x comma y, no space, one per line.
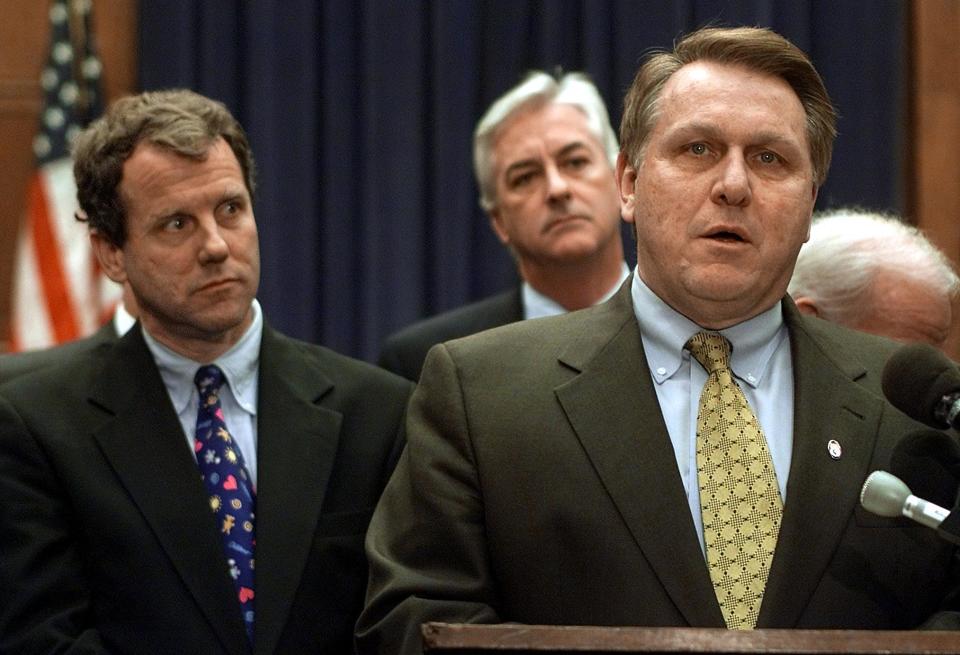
516,639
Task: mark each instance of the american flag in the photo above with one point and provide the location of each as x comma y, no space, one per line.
59,293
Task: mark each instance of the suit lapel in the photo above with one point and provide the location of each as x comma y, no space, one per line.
144,443
613,409
821,490
297,441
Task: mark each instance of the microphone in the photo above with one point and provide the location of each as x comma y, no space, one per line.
924,384
928,462
887,495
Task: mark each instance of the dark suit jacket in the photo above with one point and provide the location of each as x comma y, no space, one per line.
16,364
107,543
404,351
539,485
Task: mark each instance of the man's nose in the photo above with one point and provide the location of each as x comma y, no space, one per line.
213,247
558,187
732,186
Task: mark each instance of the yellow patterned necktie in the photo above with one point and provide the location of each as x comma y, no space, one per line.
739,497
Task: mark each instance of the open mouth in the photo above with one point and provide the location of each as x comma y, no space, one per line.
726,236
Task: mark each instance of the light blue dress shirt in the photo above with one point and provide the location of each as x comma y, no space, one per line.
537,305
238,397
761,364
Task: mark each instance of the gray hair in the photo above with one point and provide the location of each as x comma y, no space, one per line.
847,248
538,89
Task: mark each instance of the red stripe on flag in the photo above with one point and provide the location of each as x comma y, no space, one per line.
52,278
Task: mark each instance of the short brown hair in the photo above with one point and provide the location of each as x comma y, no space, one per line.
755,48
178,120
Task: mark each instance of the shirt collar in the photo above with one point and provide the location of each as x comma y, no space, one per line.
666,331
537,305
239,365
122,319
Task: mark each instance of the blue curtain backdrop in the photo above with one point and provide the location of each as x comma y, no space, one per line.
361,112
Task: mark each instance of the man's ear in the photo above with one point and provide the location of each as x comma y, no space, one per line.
110,257
496,222
626,184
806,306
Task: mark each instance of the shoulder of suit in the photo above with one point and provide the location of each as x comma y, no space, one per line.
583,330
846,346
55,374
340,369
484,314
16,364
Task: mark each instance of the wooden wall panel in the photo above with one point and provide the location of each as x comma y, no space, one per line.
934,181
22,46
24,39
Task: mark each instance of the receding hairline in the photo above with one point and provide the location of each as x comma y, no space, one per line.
697,123
758,49
160,149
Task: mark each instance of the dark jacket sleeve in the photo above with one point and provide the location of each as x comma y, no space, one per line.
44,597
426,548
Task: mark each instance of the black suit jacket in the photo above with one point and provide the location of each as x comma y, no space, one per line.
404,351
107,543
539,485
16,364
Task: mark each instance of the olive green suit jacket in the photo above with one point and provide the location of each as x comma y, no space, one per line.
539,485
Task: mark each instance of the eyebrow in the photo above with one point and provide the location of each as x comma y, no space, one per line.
570,147
711,131
527,163
232,194
688,130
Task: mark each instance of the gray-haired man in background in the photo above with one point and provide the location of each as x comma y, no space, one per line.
543,156
873,272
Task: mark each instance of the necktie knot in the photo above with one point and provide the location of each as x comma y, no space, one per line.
208,379
712,350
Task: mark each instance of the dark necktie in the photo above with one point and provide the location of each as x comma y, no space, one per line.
739,497
232,498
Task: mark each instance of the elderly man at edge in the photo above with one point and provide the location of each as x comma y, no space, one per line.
873,272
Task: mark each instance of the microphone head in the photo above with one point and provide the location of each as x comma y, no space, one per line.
916,378
928,462
884,494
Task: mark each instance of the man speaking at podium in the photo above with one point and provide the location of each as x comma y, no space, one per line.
689,453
